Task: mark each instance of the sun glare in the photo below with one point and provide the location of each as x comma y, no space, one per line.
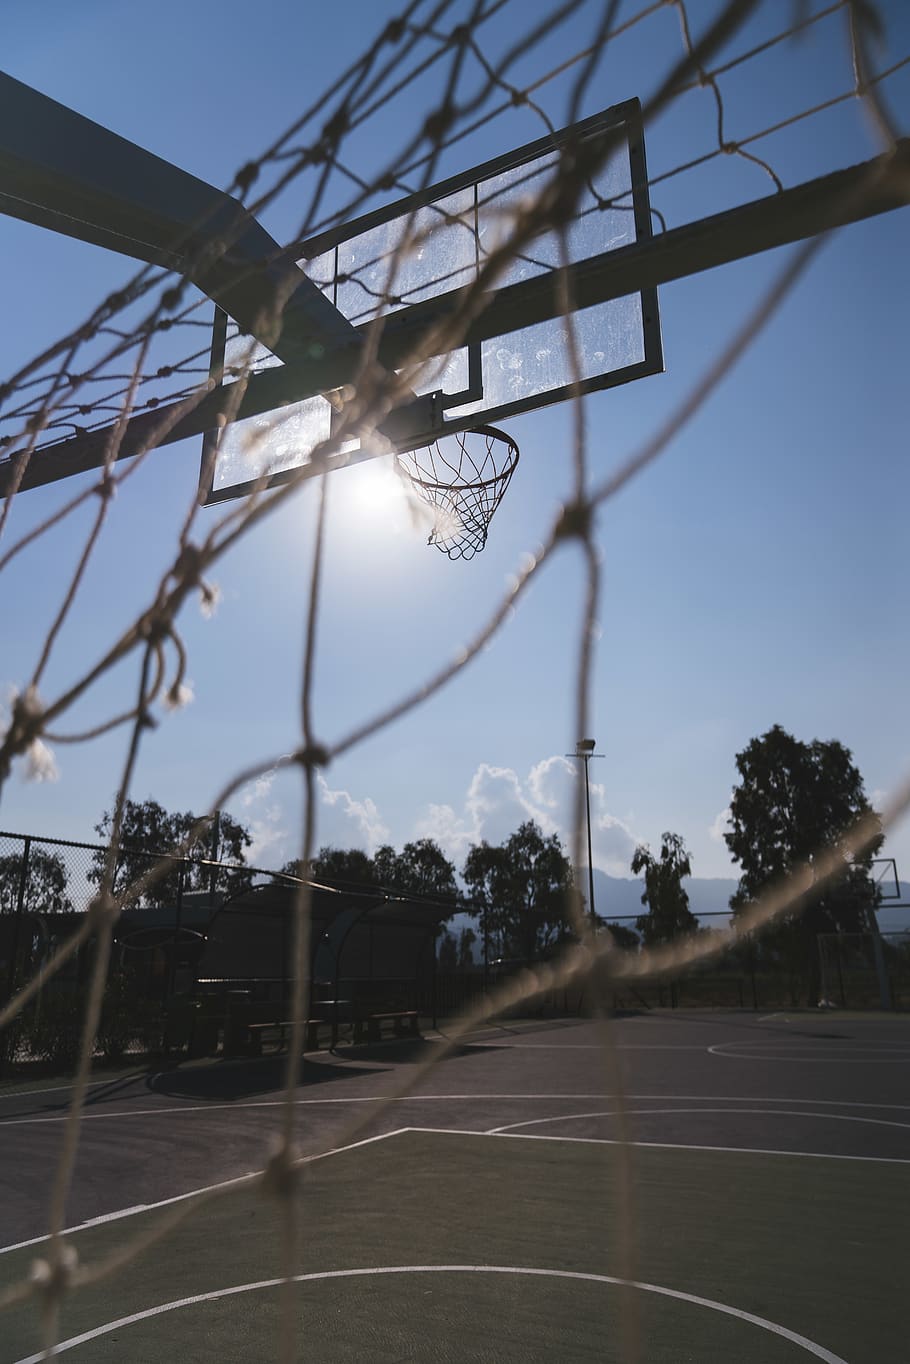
377,497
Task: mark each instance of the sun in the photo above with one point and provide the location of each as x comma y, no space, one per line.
376,496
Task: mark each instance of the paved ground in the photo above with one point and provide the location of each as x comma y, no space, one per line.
767,1144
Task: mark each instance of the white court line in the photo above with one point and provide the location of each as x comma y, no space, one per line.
855,1056
712,1304
628,1112
57,1089
468,1132
248,1178
589,1046
427,1098
654,1145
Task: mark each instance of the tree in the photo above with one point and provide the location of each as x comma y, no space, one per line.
45,884
624,937
795,802
421,868
669,914
455,954
341,868
521,889
446,952
466,940
149,831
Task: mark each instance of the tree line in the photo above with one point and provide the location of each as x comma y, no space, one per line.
794,803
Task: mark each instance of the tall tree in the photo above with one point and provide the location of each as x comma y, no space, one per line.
45,884
341,868
149,832
795,802
521,888
421,868
669,914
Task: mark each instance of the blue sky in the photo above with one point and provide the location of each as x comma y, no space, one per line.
756,574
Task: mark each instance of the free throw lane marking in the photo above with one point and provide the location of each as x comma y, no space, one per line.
654,1145
628,1112
249,1178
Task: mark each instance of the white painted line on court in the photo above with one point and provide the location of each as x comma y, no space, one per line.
238,1104
588,1046
800,1052
712,1304
628,1112
653,1145
248,1178
57,1089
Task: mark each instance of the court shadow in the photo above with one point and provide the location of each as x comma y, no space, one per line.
402,1051
225,1080
116,1089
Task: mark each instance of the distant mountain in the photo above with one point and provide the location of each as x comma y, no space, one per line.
616,897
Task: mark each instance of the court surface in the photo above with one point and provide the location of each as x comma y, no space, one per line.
714,1187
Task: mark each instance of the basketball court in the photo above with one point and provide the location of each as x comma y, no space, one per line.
740,1198
460,230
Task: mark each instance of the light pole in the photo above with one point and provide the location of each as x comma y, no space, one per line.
584,749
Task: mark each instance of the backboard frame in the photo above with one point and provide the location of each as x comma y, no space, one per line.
417,423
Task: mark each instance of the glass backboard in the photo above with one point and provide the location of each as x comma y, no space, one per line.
429,246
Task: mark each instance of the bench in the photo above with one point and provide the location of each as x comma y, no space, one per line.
365,1026
258,1031
405,1022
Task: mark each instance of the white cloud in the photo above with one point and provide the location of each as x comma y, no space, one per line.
264,817
717,830
352,822
40,763
498,800
343,820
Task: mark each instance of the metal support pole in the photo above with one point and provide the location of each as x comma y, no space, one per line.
884,987
584,749
587,758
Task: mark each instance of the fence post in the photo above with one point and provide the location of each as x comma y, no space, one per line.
214,850
486,951
16,935
20,907
884,991
840,975
178,925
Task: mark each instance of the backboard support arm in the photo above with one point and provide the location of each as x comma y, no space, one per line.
852,195
62,171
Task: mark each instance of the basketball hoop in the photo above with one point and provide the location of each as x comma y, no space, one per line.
462,485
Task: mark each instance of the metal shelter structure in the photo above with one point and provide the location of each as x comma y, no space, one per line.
367,946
